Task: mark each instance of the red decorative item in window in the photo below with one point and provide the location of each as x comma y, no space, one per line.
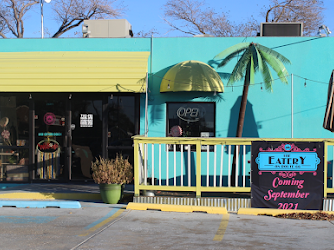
175,131
5,134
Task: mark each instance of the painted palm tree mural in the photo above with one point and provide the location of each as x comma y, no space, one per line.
254,58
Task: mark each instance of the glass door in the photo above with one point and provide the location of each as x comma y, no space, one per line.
123,112
49,138
86,134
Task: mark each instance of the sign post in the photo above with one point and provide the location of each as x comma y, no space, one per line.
287,175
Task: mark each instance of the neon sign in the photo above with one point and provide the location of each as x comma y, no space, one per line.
48,146
49,134
49,118
190,114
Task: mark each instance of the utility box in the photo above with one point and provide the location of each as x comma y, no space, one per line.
282,29
117,28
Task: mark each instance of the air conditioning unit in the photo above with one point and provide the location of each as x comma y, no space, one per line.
117,28
282,29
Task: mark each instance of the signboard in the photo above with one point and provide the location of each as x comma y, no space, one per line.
86,120
46,134
190,112
48,146
49,118
287,175
48,159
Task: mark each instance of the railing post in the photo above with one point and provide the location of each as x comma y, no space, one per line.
198,169
325,169
136,167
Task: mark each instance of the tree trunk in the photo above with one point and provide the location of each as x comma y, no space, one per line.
240,127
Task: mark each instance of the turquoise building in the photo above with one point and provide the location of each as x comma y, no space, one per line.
64,102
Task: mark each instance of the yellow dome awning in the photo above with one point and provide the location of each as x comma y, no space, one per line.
191,76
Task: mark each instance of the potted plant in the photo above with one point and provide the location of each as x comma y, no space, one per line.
111,174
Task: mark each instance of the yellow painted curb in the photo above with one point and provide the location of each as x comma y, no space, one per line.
176,208
50,196
273,211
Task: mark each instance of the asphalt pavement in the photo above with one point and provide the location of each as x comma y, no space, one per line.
95,225
103,226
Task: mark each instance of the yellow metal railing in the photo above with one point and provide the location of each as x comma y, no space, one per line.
146,158
327,157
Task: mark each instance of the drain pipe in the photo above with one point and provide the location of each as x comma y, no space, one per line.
146,99
146,107
291,105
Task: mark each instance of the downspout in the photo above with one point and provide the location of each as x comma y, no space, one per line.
146,99
146,107
291,105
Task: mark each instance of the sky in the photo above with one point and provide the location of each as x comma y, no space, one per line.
144,15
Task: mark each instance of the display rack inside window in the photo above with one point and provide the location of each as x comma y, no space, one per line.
13,154
190,119
14,163
14,136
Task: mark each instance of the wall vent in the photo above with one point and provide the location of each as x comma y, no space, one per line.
282,29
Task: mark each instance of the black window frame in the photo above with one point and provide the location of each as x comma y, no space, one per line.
193,148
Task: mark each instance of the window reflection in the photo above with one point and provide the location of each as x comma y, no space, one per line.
191,119
14,136
121,120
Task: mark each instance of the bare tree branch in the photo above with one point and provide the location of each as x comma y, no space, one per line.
193,17
179,29
149,33
11,16
71,13
309,12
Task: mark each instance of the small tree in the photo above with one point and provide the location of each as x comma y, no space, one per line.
255,58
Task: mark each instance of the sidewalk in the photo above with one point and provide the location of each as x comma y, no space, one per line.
61,194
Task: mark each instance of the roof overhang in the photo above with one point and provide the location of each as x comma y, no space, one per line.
73,71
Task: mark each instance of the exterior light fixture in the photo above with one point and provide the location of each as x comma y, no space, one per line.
42,27
325,29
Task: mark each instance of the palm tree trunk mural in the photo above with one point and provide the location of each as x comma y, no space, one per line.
255,58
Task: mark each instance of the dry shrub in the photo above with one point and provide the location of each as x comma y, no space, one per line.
112,171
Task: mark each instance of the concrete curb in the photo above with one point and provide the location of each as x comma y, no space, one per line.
51,196
176,208
273,212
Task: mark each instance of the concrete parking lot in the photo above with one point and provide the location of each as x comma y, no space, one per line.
101,226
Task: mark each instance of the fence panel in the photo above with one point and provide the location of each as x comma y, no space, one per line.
204,164
172,165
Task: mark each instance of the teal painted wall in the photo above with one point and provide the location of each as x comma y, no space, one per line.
268,114
74,44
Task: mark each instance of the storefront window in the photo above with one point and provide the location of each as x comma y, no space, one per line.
190,119
14,120
14,137
121,120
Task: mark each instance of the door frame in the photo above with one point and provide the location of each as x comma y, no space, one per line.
67,97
